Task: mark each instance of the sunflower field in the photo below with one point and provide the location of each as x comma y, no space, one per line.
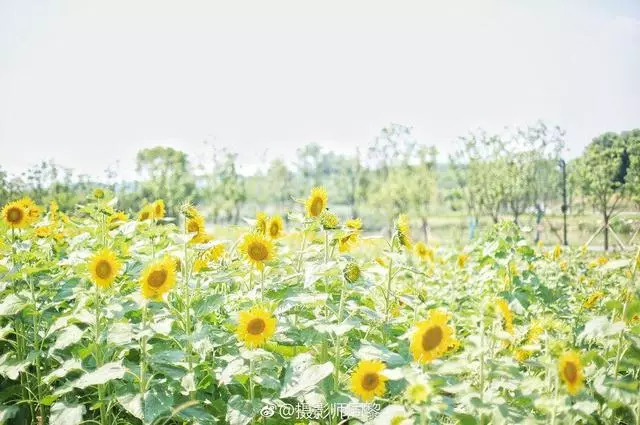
107,318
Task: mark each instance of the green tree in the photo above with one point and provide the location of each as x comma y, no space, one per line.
166,175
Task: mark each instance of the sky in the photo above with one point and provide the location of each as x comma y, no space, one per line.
89,83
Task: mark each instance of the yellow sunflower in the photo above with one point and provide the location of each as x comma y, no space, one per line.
158,209
316,202
348,241
275,227
507,315
462,260
145,213
104,267
367,381
158,278
53,211
255,327
261,222
33,211
195,224
329,220
418,393
432,337
43,231
16,215
593,299
117,218
257,249
423,251
403,230
215,252
570,370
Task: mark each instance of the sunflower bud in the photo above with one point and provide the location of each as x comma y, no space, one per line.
328,220
351,272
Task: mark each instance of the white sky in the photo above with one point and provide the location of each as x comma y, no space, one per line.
88,83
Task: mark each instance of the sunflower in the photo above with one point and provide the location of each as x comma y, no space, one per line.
462,260
403,230
199,264
316,202
16,215
145,213
158,278
53,211
432,337
257,249
215,252
43,231
329,220
557,252
98,193
104,267
423,251
570,370
352,227
195,224
418,393
33,211
367,381
507,315
351,272
261,222
158,209
255,327
275,227
593,299
117,218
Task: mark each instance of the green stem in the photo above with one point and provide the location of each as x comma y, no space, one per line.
251,385
302,246
98,355
187,301
143,355
262,285
36,327
387,308
336,381
555,403
482,337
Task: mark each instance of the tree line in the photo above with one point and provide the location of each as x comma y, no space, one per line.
516,172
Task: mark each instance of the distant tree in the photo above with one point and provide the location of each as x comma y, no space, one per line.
601,174
166,175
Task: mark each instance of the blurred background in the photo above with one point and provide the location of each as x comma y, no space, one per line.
460,113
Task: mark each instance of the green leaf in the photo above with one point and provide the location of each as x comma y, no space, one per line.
302,375
63,370
106,373
11,304
66,414
239,411
69,336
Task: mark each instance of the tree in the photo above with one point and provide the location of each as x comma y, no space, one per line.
168,177
601,174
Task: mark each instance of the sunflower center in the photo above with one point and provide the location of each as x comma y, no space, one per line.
571,372
432,338
157,278
145,215
274,229
14,215
370,381
256,326
316,206
258,252
103,269
192,226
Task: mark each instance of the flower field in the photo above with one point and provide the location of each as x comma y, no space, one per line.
303,317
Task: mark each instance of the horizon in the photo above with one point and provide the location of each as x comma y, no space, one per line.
266,80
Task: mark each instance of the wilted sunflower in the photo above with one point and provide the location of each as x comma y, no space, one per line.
104,267
367,381
16,215
316,202
146,213
255,327
275,227
432,337
261,222
423,251
158,209
257,249
158,278
507,315
403,230
570,370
